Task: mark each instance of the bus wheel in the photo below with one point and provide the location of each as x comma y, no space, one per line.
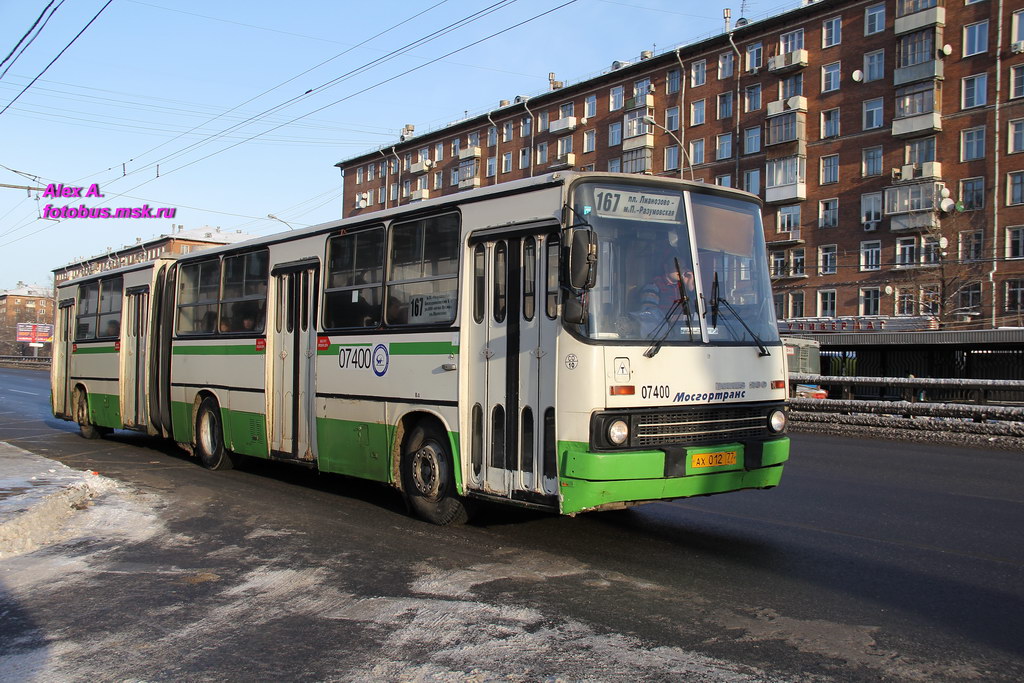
210,437
427,478
81,404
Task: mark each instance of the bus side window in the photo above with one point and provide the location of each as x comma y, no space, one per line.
88,305
529,277
198,290
243,301
500,281
479,291
111,291
551,295
423,268
355,268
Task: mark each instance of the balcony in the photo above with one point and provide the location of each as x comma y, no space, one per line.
469,153
921,220
919,72
640,101
933,16
786,238
467,183
914,125
786,193
795,103
638,141
928,169
422,166
787,273
566,123
418,195
790,61
564,161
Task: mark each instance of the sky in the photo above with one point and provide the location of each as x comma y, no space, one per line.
228,111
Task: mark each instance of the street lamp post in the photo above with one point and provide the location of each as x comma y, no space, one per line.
649,120
270,215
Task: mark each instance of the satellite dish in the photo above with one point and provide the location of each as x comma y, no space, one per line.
583,121
857,75
947,205
888,289
943,242
947,49
944,192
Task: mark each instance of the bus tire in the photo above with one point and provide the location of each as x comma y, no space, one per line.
210,437
86,428
428,480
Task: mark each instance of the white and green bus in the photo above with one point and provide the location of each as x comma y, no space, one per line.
570,342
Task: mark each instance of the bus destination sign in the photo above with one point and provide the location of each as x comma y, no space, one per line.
634,204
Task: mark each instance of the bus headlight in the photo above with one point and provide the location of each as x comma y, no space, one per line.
618,432
776,421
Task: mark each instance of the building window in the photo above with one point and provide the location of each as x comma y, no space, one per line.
456,145
524,158
1015,138
796,305
564,146
1015,242
792,86
672,158
636,124
915,48
725,105
874,19
910,198
874,66
782,128
614,133
871,255
870,300
921,151
788,219
492,136
672,81
972,144
830,77
930,300
589,140
786,171
752,181
905,7
542,153
873,114
871,164
827,303
615,165
1017,81
724,180
438,180
725,65
525,126
616,98
915,99
723,146
1014,296
971,245
931,252
827,259
976,38
506,162
828,213
830,123
642,87
698,73
1015,188
407,187
752,97
754,51
672,118
974,91
831,32
1017,28
752,140
590,106
474,138
871,208
969,298
697,113
697,152
779,264
637,160
797,261
906,251
794,40
905,302
359,176
830,169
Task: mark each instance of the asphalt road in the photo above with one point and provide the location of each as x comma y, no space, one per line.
874,560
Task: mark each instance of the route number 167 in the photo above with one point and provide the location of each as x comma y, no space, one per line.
608,201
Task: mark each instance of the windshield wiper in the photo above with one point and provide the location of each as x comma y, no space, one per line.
682,304
716,299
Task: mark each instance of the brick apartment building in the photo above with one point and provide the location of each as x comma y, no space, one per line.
23,304
886,139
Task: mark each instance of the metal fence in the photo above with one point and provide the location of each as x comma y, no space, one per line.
26,361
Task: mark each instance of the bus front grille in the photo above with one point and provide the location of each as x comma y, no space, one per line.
701,425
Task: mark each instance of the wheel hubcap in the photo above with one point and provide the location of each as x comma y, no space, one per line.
425,463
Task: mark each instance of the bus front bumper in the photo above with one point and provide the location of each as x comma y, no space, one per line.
591,481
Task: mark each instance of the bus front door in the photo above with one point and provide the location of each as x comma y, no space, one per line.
513,342
63,338
292,359
134,358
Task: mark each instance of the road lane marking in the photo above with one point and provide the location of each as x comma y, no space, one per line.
19,391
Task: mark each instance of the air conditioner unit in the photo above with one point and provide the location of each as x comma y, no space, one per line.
897,174
870,226
1017,47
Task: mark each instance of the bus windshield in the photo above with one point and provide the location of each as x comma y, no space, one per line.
656,283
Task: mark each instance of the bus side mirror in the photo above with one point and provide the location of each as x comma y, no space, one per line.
574,311
582,259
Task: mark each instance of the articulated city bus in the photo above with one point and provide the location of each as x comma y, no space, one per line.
570,342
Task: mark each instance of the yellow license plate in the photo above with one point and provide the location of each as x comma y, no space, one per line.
719,459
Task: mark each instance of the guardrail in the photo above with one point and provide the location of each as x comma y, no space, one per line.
978,410
26,361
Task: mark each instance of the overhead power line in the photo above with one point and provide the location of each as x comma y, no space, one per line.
54,60
28,32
